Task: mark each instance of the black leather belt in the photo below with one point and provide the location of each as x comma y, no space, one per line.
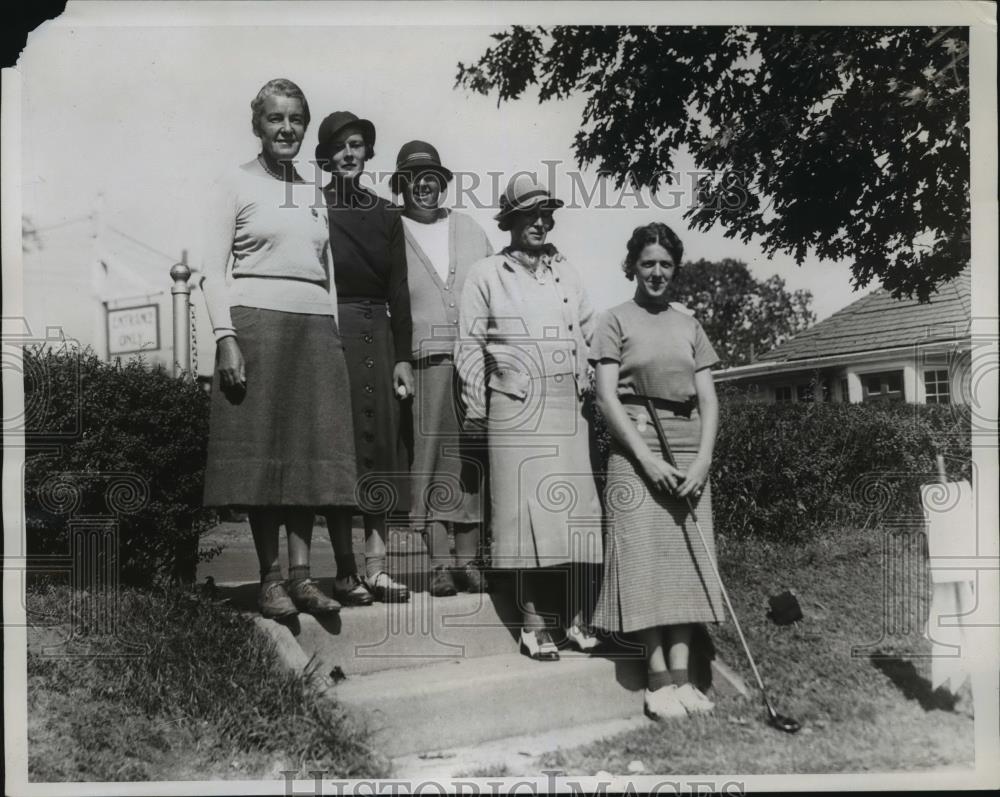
682,409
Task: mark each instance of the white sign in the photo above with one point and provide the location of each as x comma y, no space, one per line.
134,329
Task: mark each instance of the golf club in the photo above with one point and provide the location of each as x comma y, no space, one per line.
774,719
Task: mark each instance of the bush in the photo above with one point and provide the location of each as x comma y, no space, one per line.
789,471
122,441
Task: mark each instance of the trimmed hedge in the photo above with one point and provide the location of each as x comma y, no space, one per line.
122,441
788,471
791,471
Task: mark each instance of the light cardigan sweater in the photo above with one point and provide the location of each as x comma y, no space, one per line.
275,236
433,301
504,343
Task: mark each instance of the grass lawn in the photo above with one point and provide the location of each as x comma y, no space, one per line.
205,699
871,712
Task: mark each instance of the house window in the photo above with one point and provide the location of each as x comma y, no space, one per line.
845,393
783,394
937,386
812,391
884,386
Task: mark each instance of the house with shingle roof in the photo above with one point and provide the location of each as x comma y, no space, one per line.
875,349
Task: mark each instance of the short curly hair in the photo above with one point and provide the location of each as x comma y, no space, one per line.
279,87
653,233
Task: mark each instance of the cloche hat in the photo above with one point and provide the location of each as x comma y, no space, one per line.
524,192
333,124
415,157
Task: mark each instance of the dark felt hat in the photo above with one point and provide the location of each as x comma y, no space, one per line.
416,157
333,124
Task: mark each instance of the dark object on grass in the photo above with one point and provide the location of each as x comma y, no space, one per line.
785,609
774,719
337,674
209,590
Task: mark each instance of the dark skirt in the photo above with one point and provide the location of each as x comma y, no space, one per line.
381,453
656,570
446,474
286,440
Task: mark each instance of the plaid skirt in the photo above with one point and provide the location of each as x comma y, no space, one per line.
656,570
287,440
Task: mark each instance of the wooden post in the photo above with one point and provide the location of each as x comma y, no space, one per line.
181,291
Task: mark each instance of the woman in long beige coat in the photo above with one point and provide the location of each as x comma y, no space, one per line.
525,326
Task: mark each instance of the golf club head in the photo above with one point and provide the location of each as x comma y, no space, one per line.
784,724
781,722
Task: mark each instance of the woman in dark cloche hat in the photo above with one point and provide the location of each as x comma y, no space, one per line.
373,300
447,472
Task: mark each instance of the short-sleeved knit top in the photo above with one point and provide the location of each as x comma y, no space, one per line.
658,347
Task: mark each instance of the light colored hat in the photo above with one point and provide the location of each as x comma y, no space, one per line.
524,192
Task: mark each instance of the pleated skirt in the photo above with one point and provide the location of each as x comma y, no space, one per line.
447,473
656,569
381,454
287,439
544,506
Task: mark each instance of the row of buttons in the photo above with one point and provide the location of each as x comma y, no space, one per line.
368,411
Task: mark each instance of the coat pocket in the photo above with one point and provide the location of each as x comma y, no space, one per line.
510,382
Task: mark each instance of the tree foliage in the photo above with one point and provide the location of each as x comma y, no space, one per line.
740,314
850,142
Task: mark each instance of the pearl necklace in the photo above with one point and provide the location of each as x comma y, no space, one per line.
267,168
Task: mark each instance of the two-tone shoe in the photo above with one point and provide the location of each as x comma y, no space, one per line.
538,645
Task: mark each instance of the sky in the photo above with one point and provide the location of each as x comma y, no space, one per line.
139,121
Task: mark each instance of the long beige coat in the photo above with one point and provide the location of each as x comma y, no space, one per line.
521,359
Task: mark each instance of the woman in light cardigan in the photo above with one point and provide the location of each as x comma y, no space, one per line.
525,326
447,473
278,445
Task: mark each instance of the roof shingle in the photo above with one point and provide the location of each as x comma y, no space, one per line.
878,321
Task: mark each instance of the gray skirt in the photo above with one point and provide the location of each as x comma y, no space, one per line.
656,571
288,439
544,508
446,472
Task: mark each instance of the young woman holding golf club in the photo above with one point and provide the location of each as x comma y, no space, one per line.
651,355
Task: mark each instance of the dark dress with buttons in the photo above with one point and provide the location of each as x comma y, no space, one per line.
369,263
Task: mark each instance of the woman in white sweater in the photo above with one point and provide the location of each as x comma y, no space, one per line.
280,445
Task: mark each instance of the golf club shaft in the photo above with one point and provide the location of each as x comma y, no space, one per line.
668,453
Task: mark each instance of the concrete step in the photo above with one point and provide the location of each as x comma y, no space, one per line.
462,702
466,701
386,636
426,630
